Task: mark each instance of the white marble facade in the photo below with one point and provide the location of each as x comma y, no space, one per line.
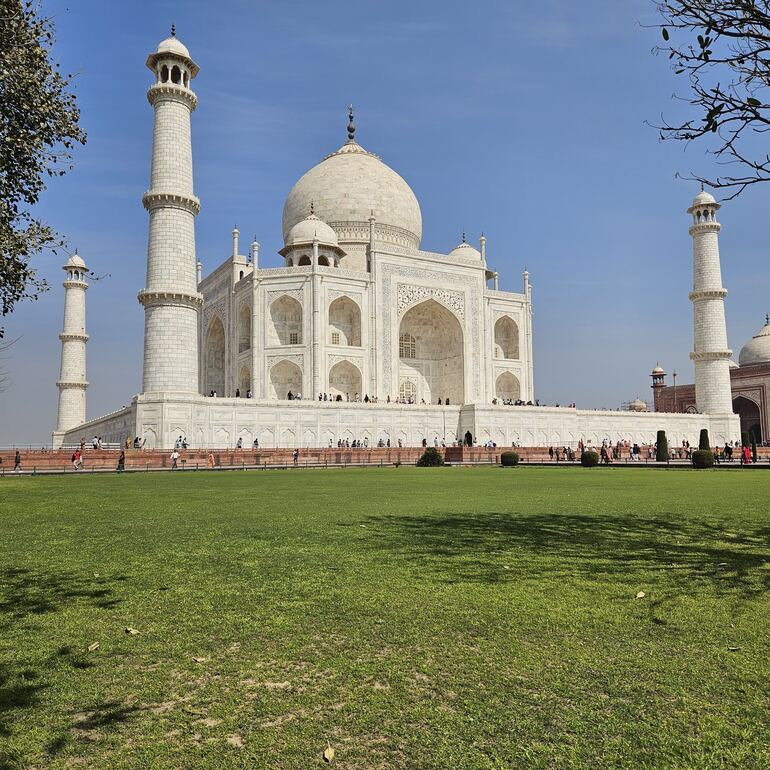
357,309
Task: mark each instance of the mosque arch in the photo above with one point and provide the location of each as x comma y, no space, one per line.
176,74
285,321
164,74
751,417
244,328
345,380
506,338
507,387
214,358
285,378
438,364
304,260
344,322
323,261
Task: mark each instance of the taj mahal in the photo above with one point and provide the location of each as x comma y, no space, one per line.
360,334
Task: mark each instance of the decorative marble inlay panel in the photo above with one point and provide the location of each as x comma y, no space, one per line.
294,359
411,295
214,308
297,294
357,361
352,295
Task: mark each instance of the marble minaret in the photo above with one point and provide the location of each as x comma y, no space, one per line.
710,352
170,297
72,382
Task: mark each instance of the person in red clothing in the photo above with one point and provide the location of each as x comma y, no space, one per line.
746,455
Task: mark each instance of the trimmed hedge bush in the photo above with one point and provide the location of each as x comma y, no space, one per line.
753,451
662,453
703,442
703,458
431,458
589,459
509,459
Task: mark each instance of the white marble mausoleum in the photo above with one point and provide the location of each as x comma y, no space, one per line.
359,334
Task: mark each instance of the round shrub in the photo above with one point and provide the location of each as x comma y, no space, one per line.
431,458
509,459
703,458
589,459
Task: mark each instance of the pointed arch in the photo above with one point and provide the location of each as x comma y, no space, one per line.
244,328
344,322
285,321
344,379
214,358
285,377
506,338
507,387
438,364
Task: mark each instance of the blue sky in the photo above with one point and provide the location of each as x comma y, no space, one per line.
524,120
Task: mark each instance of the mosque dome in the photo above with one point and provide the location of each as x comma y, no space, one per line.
309,229
757,349
350,186
465,251
658,370
637,405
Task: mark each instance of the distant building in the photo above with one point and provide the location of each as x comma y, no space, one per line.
749,385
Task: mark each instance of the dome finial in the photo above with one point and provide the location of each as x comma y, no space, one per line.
312,208
463,236
351,124
173,30
767,319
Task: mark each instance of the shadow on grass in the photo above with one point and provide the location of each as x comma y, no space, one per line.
493,547
25,592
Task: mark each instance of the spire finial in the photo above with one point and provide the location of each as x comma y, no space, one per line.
463,236
351,124
767,319
702,187
312,208
173,30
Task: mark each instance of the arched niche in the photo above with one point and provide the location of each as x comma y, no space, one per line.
285,377
214,358
506,338
507,387
344,322
285,321
438,364
244,328
345,380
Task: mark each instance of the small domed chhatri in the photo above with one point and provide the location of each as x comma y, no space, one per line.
757,349
464,250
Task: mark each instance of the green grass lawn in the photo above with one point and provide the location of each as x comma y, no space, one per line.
411,618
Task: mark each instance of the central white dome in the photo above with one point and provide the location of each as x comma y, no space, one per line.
349,186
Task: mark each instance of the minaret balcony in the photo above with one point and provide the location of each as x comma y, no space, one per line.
695,296
74,336
172,93
153,199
